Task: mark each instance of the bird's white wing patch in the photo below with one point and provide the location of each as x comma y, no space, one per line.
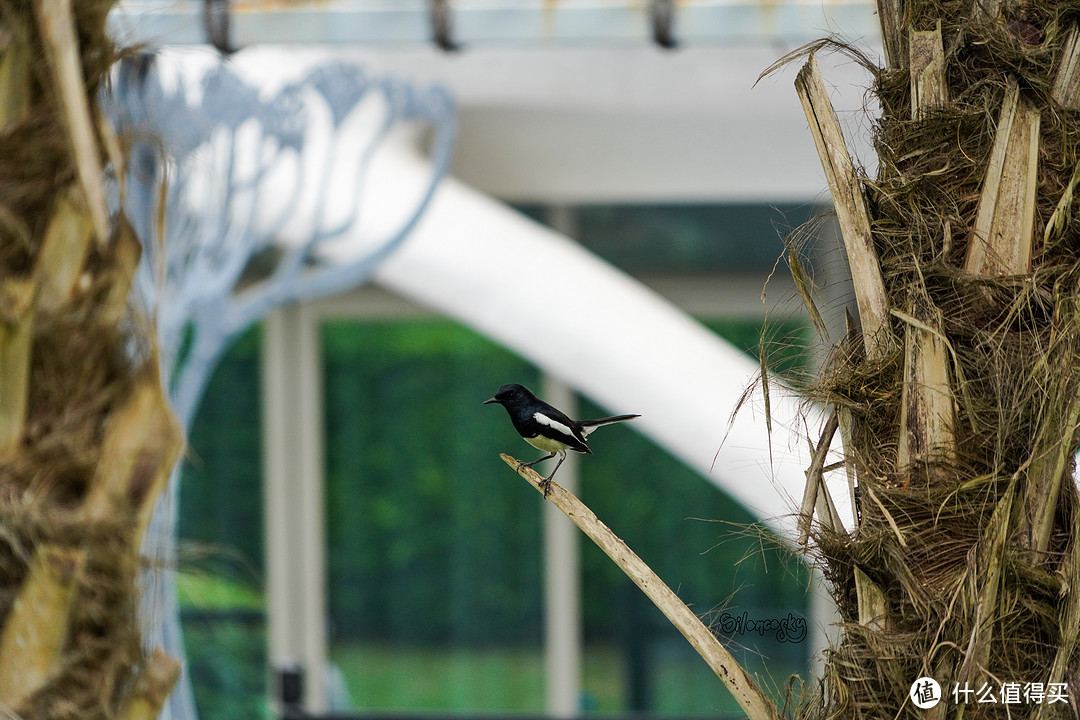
553,424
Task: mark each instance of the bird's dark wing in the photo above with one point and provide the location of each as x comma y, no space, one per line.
552,424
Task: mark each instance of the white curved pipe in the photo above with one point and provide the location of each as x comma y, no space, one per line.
597,329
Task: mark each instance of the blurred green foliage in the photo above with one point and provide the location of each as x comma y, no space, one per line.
390,676
426,533
198,590
226,659
221,512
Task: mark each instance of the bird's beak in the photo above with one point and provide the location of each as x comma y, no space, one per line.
489,401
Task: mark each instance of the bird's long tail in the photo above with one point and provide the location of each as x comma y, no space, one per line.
587,426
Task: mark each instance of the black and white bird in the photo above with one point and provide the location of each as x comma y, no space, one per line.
546,427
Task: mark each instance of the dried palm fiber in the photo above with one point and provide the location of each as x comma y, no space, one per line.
86,437
959,403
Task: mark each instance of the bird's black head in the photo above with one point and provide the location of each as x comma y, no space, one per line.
511,395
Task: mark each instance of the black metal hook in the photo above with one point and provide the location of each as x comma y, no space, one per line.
442,25
662,14
216,23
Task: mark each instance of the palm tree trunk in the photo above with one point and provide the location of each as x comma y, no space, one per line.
959,397
86,436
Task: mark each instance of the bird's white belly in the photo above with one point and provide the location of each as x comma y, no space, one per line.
546,444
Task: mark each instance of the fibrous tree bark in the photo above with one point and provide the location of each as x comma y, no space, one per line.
87,438
959,395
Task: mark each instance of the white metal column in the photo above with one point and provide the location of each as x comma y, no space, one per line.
294,498
562,580
562,565
824,621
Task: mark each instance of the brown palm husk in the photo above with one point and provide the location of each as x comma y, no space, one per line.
969,539
86,437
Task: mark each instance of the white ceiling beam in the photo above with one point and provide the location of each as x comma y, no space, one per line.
494,22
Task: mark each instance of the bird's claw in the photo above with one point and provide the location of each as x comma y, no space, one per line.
544,484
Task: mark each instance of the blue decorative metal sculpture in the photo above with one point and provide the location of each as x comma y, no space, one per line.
217,257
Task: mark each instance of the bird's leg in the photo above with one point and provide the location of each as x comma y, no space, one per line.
538,460
546,482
